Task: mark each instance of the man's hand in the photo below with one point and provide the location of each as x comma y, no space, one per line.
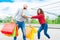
26,16
23,15
29,16
12,20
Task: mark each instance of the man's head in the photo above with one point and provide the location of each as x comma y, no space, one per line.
25,6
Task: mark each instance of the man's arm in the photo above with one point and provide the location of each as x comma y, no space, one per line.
14,16
25,16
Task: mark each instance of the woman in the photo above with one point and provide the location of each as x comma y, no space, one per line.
41,18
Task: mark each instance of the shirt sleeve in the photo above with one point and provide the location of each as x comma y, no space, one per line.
14,16
37,16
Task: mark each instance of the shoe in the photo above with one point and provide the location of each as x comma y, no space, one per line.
15,38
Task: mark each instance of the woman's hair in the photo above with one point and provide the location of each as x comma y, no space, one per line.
41,11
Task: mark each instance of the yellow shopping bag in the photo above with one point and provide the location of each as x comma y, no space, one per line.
30,31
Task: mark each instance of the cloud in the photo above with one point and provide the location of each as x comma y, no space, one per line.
11,8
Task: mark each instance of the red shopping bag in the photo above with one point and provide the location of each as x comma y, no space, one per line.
8,28
15,33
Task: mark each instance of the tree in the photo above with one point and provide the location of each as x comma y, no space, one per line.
1,21
58,19
7,19
34,21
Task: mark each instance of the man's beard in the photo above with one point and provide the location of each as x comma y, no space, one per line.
24,8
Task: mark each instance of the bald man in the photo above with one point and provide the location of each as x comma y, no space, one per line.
20,17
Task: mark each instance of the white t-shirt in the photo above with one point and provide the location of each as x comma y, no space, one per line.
18,16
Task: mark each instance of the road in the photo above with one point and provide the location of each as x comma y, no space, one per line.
54,34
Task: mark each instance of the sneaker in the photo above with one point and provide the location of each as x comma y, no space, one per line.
15,38
38,39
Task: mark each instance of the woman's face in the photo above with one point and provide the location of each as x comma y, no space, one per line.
39,11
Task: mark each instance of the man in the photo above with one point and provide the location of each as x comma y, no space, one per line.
20,17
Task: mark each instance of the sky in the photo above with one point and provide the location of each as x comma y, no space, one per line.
51,8
20,0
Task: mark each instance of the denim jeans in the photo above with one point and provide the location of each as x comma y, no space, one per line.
45,28
22,26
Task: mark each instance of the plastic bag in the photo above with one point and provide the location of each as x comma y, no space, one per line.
10,29
30,31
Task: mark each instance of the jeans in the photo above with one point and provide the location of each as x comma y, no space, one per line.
22,26
45,28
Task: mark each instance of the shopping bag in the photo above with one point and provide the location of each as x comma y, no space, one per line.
17,32
10,29
13,35
33,32
30,32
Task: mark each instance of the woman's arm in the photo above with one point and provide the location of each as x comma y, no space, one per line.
35,16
